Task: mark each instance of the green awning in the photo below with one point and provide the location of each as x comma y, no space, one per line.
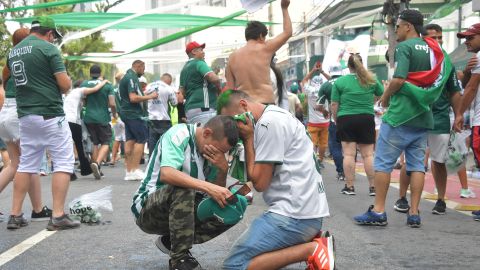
147,21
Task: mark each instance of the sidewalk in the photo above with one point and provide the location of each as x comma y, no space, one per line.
453,199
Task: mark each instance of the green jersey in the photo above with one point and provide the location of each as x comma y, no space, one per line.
176,149
353,98
96,110
10,91
33,64
413,55
199,93
130,84
440,109
325,92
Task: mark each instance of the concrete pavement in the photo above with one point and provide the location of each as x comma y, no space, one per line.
443,242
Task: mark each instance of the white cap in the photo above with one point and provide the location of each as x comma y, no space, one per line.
142,79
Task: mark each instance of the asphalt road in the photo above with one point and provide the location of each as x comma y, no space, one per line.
443,242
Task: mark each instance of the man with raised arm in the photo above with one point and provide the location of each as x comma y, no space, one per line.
249,67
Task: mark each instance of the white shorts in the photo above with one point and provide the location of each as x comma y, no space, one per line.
438,144
9,131
37,135
119,130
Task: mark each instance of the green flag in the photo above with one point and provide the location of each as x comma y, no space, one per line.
411,101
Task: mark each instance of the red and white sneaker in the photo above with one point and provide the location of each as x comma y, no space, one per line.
323,258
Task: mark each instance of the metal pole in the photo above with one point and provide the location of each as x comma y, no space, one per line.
307,56
460,15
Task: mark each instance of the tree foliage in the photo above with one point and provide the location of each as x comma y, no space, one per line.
93,43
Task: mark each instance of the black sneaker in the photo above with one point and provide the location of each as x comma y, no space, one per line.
187,262
163,243
340,176
440,208
401,205
371,191
73,177
62,223
348,190
96,170
43,215
16,222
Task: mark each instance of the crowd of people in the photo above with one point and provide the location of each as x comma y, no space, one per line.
183,195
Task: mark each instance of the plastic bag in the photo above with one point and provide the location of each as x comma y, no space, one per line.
457,151
86,207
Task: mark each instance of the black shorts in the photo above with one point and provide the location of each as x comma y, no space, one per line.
359,128
100,133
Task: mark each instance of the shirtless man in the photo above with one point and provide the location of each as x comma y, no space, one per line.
249,67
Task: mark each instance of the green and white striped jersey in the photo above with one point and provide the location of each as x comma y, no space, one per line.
177,149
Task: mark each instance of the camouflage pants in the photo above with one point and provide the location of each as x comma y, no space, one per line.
171,211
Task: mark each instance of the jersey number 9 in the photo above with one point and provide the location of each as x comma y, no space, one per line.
18,71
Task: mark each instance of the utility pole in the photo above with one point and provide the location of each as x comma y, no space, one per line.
391,10
305,40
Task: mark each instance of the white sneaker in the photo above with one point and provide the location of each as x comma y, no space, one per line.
129,176
138,174
467,193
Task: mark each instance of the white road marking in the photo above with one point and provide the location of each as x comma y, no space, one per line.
24,246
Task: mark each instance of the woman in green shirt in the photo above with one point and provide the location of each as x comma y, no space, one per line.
353,97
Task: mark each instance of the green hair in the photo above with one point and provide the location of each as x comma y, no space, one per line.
223,100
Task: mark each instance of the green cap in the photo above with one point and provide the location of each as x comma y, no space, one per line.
294,87
231,214
46,22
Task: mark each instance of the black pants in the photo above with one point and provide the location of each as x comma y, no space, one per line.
155,131
76,130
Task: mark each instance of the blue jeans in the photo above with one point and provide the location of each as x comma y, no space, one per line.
335,147
270,232
392,141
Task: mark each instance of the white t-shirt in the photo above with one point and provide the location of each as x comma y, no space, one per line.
158,108
296,189
475,116
314,117
72,105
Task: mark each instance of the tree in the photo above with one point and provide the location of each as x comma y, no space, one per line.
93,43
6,36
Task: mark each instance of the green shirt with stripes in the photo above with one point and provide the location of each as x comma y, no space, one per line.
176,149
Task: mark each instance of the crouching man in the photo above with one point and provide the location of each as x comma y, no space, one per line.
282,165
188,162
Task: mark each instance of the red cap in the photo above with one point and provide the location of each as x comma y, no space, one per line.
471,31
193,45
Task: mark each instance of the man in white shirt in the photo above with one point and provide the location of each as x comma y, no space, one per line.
317,124
159,108
72,105
281,164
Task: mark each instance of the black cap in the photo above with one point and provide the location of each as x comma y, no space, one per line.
412,16
95,71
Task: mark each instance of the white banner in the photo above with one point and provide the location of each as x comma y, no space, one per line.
338,52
